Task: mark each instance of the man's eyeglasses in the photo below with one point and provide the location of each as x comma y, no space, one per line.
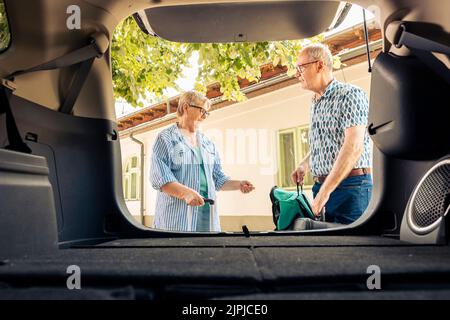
202,110
301,67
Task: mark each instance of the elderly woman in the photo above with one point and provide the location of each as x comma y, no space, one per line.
186,168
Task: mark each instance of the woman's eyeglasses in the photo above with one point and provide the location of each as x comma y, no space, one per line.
202,110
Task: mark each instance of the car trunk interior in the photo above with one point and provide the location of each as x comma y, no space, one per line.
63,203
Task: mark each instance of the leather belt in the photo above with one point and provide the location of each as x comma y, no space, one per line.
354,172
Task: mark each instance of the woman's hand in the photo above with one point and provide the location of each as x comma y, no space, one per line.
182,192
246,186
193,198
243,185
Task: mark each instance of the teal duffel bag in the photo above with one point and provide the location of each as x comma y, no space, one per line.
288,206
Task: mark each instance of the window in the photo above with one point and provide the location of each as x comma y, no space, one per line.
292,148
5,36
131,179
303,149
260,139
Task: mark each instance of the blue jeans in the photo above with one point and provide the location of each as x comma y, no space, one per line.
349,200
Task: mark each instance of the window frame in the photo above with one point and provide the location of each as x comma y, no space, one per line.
128,171
298,154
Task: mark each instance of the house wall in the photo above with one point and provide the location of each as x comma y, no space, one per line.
245,135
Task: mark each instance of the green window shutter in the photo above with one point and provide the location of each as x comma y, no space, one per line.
293,146
134,162
303,149
126,192
133,189
131,178
287,157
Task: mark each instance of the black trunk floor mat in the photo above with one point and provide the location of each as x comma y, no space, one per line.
261,241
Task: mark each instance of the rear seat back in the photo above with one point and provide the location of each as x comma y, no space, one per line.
27,210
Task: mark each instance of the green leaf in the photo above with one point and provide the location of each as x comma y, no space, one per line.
145,66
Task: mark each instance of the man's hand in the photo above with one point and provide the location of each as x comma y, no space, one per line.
299,174
246,186
319,202
349,154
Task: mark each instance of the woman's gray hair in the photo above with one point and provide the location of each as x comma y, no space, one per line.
319,51
191,98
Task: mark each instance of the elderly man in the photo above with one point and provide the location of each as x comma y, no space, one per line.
339,156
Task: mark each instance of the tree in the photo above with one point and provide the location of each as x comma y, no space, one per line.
4,28
142,63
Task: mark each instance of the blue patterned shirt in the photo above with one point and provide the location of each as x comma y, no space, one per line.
341,106
174,160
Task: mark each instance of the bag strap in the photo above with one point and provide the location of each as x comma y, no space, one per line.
84,56
76,86
97,47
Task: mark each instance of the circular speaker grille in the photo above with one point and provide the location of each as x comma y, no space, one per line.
430,199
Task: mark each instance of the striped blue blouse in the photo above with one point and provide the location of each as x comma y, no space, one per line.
173,160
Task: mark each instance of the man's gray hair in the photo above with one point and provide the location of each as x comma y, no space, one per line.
191,98
319,51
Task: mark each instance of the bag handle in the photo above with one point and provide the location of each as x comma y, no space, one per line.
190,214
298,190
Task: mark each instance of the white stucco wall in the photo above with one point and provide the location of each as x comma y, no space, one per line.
245,134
